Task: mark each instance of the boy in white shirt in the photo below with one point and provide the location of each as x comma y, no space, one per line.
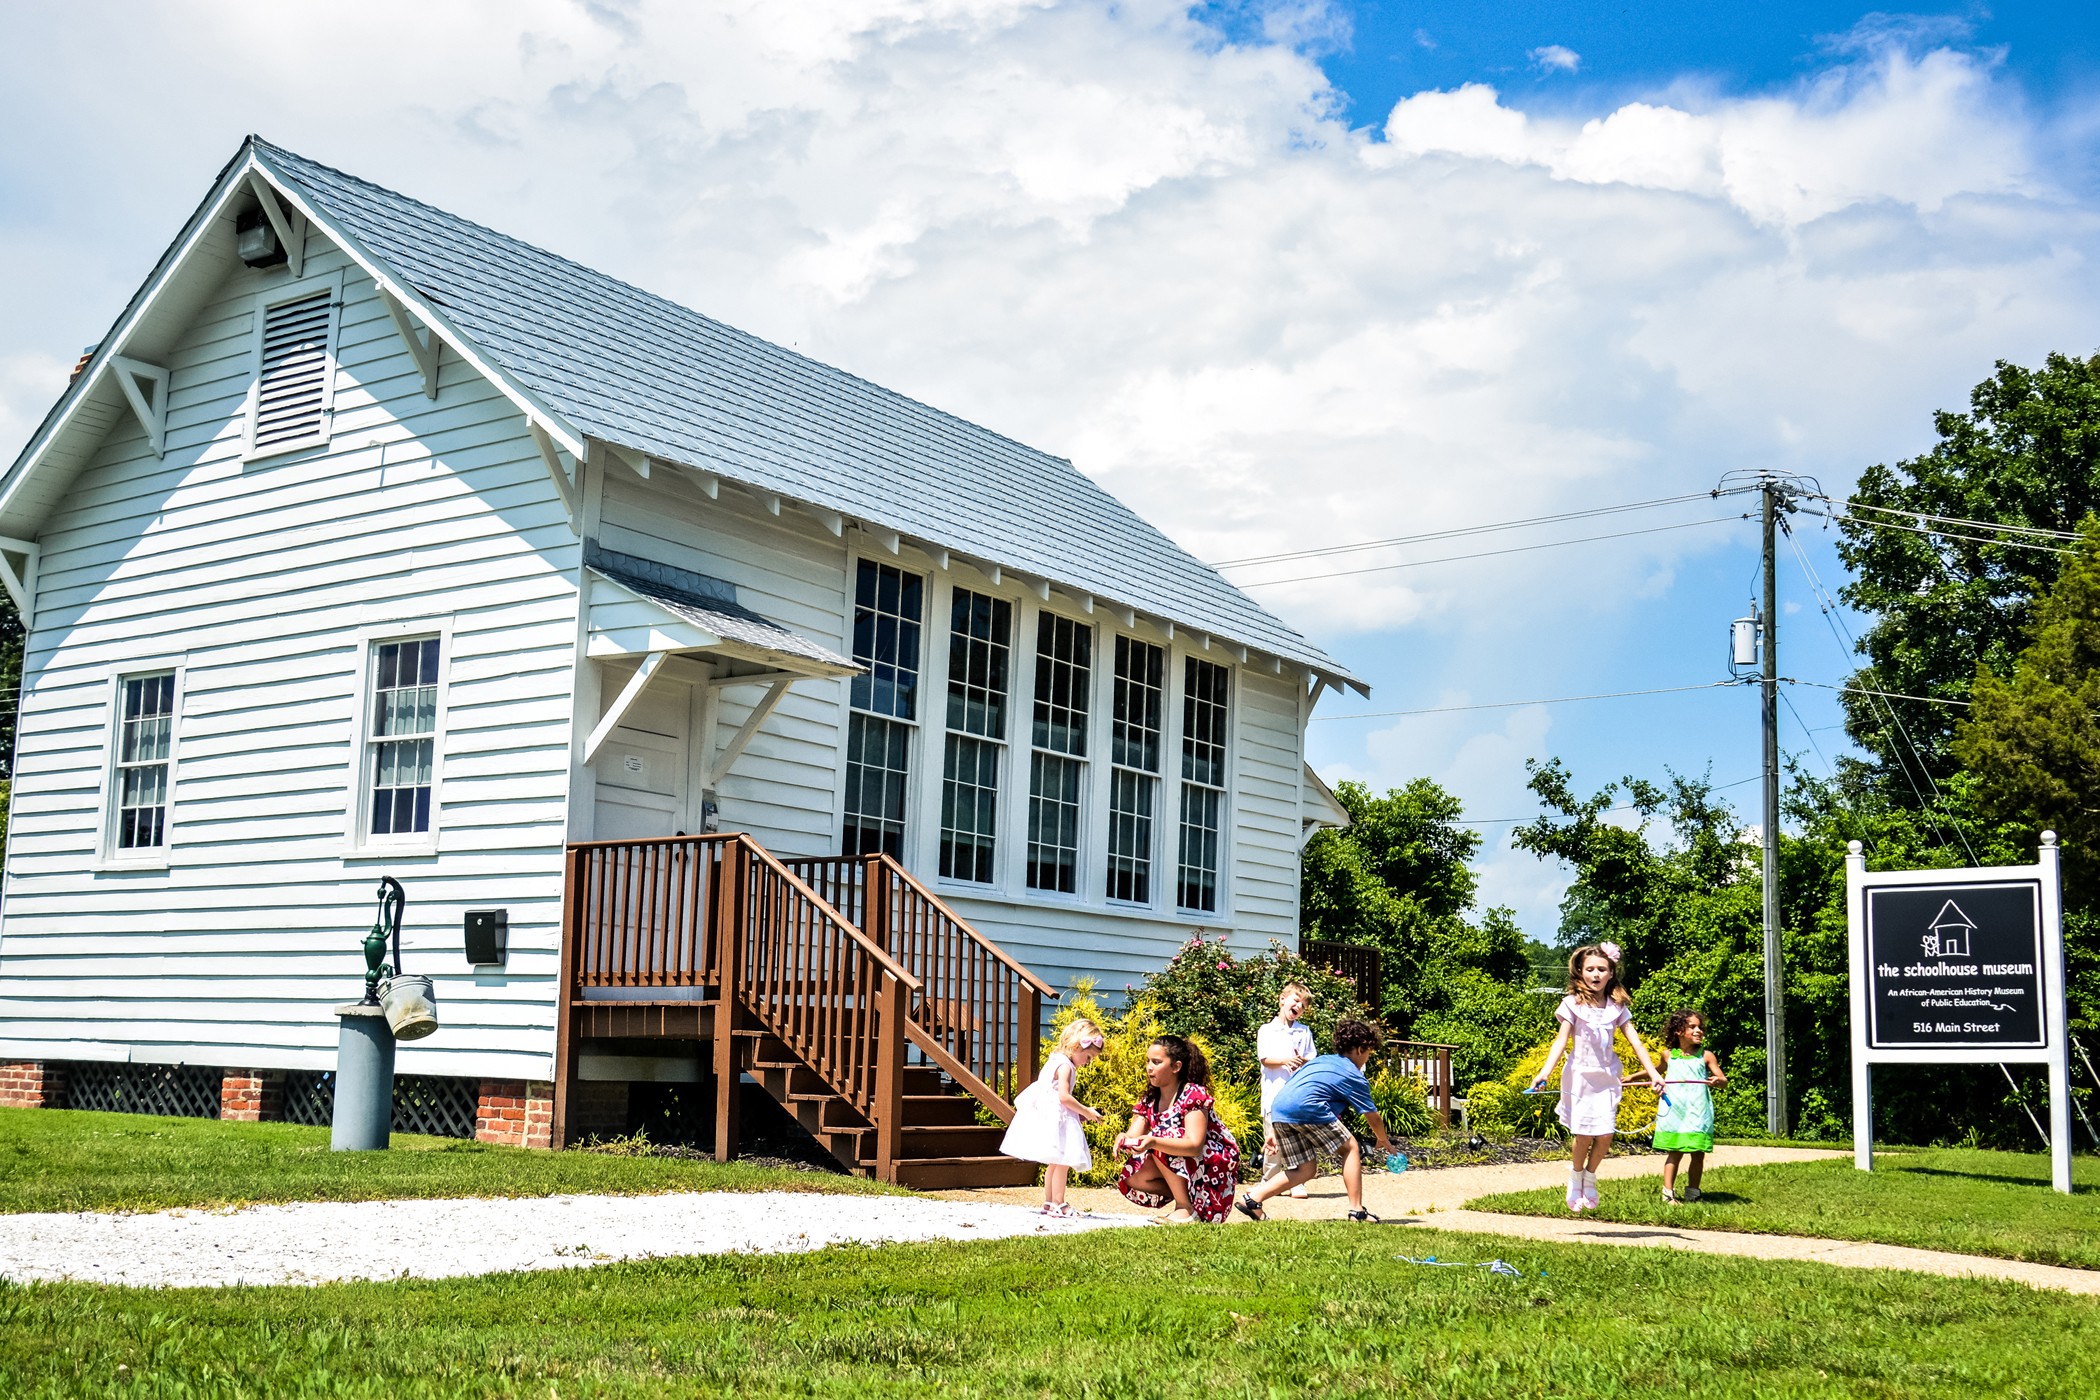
1282,1045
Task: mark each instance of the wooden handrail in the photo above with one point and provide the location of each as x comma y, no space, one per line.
979,1014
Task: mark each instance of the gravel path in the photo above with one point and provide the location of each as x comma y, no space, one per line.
327,1242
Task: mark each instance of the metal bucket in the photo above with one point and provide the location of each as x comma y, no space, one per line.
411,1007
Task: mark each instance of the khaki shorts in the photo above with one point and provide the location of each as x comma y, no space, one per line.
1300,1143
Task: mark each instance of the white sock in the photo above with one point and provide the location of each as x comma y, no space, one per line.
1589,1182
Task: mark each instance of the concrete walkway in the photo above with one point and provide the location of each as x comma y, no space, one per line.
1437,1199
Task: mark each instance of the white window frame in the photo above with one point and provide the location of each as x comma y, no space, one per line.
1162,784
109,855
1227,790
332,283
1085,760
360,840
914,727
1002,745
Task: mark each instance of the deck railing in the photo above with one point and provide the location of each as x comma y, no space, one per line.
978,1012
1429,1062
722,911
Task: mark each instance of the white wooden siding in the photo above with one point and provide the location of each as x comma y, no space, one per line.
786,568
259,578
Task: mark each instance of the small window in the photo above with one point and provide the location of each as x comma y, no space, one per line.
1203,740
1064,662
979,641
294,369
145,746
402,750
885,697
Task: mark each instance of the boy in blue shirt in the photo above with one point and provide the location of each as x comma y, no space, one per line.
1307,1116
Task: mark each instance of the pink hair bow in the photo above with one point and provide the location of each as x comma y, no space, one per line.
1092,1042
1610,950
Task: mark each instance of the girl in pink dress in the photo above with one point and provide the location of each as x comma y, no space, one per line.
1590,1015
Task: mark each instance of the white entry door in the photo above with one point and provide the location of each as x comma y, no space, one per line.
641,785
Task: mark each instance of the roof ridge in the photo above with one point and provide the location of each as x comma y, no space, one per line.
678,306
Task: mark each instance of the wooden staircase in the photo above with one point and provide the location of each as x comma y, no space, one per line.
850,992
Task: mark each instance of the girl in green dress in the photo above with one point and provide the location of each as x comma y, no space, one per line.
1685,1121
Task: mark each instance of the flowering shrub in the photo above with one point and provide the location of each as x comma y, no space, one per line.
1207,994
1502,1103
1114,1080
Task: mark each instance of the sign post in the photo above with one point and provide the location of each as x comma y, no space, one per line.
1959,967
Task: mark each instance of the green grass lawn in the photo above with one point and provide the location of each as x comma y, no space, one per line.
1996,1203
66,1160
1286,1309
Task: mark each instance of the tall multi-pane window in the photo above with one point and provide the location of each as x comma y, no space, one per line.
1133,781
1203,734
145,733
402,748
887,619
1064,661
980,629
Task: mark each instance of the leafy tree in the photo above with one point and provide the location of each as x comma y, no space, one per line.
2032,744
1946,603
1398,879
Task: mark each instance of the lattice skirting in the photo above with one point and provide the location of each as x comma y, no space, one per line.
168,1091
439,1105
309,1097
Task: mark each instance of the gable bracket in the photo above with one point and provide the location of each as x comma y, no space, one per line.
636,684
282,221
424,346
18,561
637,462
551,455
719,764
151,405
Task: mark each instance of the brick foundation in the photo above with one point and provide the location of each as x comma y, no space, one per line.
597,1108
32,1084
515,1113
251,1095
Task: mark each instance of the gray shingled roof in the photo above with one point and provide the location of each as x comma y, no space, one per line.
643,373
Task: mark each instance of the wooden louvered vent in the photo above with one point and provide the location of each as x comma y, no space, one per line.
291,389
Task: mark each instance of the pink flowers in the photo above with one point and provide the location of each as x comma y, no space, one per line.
1222,966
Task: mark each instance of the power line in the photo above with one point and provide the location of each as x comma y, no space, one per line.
1828,606
1921,516
1487,553
1522,704
1882,694
1941,534
1456,533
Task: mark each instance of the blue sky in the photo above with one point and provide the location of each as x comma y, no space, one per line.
1282,275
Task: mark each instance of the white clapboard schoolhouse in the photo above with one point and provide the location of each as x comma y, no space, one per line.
771,723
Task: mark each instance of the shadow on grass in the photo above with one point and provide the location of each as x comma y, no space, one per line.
1999,1177
1718,1198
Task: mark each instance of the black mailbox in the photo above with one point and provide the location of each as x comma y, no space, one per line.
488,930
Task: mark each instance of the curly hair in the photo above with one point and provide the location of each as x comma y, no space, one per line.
1677,1024
1352,1035
1195,1069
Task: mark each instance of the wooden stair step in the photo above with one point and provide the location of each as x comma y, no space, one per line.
946,1140
953,1173
932,1110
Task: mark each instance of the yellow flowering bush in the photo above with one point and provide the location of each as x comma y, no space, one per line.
1115,1079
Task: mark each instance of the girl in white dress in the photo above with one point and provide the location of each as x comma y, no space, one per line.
1049,1123
1590,1015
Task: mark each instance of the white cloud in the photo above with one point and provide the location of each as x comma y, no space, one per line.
1555,58
1109,231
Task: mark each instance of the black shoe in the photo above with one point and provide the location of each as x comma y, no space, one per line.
1250,1207
1364,1217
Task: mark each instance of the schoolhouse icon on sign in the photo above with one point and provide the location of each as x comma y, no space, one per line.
1951,933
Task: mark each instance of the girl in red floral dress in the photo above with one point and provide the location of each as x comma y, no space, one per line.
1180,1152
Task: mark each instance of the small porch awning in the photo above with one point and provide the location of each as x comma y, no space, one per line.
640,608
650,608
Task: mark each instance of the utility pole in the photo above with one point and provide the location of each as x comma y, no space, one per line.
1775,1008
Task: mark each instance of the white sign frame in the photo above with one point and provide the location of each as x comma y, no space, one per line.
2054,1051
